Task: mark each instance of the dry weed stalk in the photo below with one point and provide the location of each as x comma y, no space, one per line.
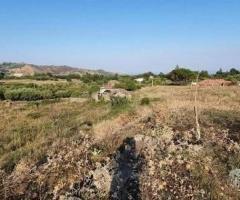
196,110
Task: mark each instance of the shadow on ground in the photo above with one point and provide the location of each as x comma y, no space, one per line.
127,168
229,120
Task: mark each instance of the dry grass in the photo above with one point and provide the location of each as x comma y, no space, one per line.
75,136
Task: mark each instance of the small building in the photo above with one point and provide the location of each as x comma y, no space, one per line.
139,80
151,77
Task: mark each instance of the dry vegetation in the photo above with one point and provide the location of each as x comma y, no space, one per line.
59,149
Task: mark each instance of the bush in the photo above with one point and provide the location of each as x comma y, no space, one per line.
34,115
93,88
27,94
46,94
145,101
234,78
182,75
129,85
31,92
119,101
2,75
62,94
13,95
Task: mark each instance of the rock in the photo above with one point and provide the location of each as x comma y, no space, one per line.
234,176
62,197
143,142
102,179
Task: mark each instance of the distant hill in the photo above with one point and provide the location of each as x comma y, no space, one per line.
31,69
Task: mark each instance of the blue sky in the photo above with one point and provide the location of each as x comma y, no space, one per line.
122,35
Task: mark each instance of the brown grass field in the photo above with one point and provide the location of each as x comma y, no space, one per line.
47,147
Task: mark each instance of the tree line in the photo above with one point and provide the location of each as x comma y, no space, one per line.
179,75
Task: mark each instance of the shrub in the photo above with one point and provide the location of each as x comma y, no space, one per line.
129,85
93,88
234,78
13,95
62,94
46,94
27,94
2,75
76,93
145,101
119,101
69,79
34,115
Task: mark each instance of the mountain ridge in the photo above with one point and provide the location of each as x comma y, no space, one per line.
31,69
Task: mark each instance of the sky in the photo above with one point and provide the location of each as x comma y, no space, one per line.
128,36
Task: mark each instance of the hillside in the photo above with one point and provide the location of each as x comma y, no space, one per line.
31,69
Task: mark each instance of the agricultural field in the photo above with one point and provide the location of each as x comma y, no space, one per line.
56,148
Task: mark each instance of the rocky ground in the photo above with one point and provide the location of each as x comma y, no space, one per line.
150,153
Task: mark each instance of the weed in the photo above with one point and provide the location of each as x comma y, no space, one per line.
145,101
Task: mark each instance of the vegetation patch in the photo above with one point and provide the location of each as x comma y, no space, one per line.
145,101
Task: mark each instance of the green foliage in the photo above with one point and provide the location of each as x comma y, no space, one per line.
13,95
182,75
119,101
234,78
32,92
26,94
161,81
221,74
97,78
11,65
2,74
93,88
204,75
74,76
69,79
46,94
62,94
128,84
145,75
234,71
145,101
42,77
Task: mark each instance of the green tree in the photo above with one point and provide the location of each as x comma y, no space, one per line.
182,75
204,75
234,71
219,73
